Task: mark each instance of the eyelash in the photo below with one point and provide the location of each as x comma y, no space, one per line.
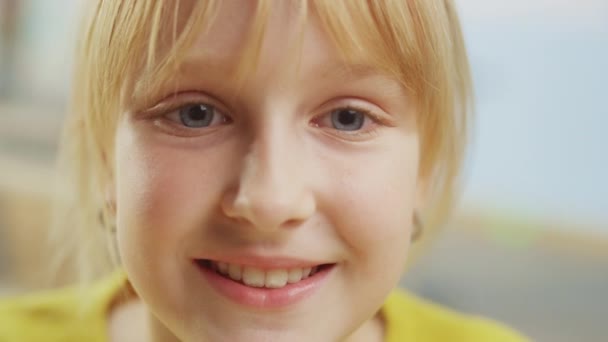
162,111
368,115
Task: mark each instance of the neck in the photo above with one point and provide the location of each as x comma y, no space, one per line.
158,332
128,322
372,330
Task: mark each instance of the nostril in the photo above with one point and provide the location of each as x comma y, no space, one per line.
293,223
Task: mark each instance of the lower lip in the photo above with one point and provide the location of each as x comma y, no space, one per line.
265,298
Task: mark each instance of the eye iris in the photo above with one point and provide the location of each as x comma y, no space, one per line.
347,119
199,115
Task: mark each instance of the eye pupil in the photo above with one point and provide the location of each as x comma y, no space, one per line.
199,115
347,119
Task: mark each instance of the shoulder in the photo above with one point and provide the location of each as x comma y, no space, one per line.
411,318
67,314
50,315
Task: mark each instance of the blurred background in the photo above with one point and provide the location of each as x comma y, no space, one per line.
529,243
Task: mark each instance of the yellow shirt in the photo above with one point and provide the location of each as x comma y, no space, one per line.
59,315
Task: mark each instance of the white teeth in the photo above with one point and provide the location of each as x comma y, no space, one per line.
222,267
253,277
294,276
276,278
234,271
256,277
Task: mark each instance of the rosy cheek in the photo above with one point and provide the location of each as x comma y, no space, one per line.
378,201
154,192
144,182
170,189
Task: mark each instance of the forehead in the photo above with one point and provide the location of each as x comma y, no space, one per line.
293,38
264,39
244,42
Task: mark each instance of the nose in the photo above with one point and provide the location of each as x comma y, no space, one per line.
273,188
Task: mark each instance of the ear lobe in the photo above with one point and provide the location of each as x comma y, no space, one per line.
110,186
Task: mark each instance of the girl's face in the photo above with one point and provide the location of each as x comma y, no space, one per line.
279,208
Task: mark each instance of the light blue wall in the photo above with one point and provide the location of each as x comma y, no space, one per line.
541,140
45,47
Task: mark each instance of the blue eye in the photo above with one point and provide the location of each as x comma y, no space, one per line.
197,115
347,119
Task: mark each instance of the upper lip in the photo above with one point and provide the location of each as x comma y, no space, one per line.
267,262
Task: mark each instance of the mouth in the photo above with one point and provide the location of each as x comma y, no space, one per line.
254,277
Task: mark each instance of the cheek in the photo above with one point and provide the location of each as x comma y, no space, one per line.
376,203
149,186
164,193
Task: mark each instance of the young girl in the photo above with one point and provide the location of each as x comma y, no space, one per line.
259,170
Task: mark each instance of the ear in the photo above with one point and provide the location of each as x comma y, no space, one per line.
110,186
110,197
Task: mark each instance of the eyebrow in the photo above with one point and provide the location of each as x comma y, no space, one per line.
195,65
344,70
334,69
220,66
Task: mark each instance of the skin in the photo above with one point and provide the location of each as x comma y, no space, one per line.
271,176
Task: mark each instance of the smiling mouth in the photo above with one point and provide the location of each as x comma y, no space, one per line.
262,278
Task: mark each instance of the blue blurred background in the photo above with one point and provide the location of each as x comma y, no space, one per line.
529,242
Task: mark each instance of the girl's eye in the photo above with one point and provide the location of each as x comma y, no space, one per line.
347,119
197,115
350,122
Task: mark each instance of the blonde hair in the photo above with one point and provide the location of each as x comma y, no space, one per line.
419,42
